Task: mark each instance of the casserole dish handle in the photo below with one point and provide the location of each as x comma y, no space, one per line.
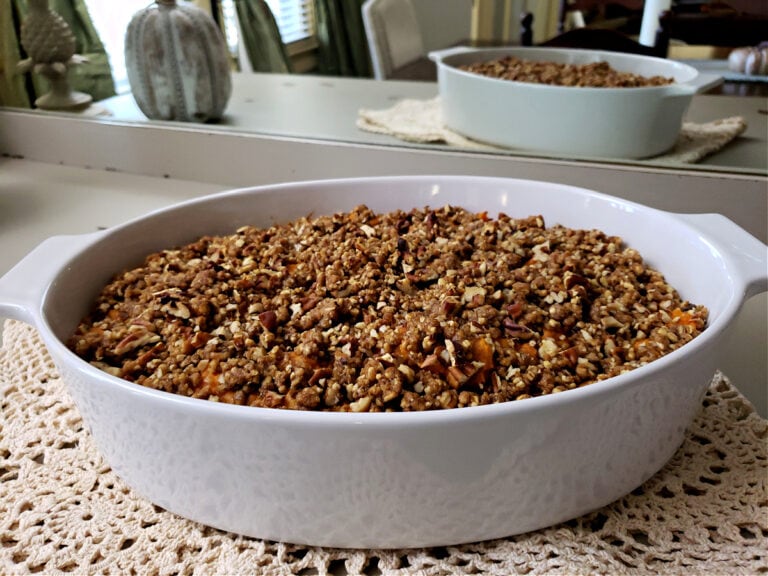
23,287
439,55
701,83
749,255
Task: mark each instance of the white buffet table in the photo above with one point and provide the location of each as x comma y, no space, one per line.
63,173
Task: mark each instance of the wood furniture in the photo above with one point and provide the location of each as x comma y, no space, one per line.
613,25
600,39
716,23
623,15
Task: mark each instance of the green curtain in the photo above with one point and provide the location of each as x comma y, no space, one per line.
93,77
261,37
343,48
13,89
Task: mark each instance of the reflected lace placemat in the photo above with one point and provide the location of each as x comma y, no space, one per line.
420,121
62,509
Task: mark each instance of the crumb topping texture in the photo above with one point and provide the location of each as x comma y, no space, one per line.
419,310
594,75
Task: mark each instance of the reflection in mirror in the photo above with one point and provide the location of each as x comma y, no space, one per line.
315,80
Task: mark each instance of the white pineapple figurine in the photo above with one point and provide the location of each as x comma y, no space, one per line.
50,45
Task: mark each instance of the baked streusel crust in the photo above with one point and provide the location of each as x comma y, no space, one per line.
593,75
419,310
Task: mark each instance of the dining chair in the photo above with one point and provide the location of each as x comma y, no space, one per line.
393,33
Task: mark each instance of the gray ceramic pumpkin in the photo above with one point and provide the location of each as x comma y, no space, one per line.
177,63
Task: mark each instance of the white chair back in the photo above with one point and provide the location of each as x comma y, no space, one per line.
394,37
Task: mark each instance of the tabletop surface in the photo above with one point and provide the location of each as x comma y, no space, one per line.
326,108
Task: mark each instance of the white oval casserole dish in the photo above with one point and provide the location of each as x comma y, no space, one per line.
392,479
620,123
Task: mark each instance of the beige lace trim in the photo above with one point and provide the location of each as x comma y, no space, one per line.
63,510
420,121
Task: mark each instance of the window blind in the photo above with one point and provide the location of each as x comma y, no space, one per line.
295,19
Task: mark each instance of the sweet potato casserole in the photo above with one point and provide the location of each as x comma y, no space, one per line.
419,310
594,75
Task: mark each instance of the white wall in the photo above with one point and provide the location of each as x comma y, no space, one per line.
443,23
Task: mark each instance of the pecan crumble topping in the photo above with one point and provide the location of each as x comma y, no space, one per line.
418,310
594,75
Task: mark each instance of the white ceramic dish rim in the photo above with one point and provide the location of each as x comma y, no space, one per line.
348,419
684,84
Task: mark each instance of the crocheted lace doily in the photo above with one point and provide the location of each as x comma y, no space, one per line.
63,510
420,121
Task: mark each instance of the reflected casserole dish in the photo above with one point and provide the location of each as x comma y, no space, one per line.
622,123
